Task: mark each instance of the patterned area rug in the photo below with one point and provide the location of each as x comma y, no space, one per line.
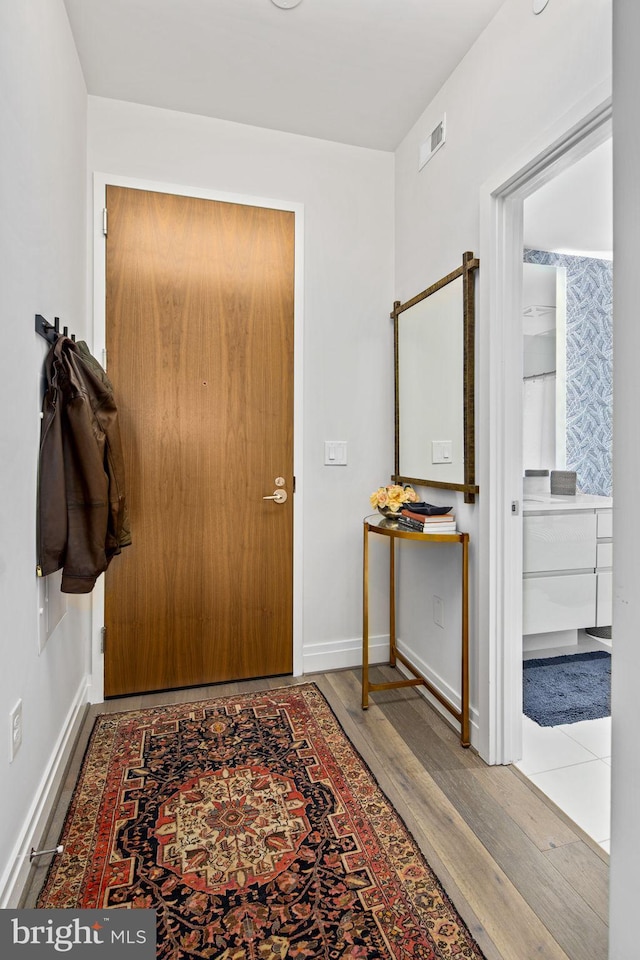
256,832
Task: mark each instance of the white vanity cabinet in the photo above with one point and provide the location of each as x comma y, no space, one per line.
567,549
604,564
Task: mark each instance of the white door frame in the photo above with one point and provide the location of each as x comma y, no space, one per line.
98,284
500,416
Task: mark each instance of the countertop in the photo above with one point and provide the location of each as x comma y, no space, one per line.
549,503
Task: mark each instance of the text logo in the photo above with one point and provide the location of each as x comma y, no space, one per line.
78,933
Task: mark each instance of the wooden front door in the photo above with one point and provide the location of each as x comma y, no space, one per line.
199,323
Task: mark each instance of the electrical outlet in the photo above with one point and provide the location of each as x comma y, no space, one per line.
15,730
438,611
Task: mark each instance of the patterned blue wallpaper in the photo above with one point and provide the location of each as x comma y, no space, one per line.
589,366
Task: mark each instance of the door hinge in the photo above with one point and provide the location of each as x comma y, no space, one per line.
104,221
103,639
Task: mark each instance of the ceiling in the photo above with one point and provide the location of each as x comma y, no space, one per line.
573,213
354,71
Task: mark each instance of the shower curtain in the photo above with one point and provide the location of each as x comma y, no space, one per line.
539,422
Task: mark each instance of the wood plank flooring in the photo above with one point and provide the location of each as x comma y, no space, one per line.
527,881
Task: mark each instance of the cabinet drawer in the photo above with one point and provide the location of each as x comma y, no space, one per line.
558,603
605,555
604,600
559,542
605,523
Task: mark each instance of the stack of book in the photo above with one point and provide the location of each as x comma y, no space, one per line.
437,523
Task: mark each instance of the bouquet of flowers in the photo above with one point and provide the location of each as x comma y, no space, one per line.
392,498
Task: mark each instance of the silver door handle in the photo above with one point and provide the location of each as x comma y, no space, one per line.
278,495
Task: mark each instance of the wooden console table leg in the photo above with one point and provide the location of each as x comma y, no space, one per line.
365,619
392,602
465,739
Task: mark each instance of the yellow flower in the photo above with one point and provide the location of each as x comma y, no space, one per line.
393,497
396,498
379,497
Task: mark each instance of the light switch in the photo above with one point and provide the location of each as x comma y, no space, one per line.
441,451
335,453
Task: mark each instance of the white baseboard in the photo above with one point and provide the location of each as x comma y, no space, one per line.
442,687
545,641
346,654
15,876
343,654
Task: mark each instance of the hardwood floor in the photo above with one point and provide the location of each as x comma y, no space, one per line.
526,880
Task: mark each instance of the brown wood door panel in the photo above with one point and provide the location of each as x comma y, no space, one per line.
200,351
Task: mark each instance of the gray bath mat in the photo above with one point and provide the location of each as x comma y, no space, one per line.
567,689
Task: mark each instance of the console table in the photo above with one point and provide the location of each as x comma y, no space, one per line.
392,530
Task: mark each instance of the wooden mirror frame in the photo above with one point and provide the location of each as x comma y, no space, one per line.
467,272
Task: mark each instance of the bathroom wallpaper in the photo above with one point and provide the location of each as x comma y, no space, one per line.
589,366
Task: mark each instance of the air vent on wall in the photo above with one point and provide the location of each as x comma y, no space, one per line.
432,144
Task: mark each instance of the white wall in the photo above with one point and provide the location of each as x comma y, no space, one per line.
42,257
520,78
347,193
625,779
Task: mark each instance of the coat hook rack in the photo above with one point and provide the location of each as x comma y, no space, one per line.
49,331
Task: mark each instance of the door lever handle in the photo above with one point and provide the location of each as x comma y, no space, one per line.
278,495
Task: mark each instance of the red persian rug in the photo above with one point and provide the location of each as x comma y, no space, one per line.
254,829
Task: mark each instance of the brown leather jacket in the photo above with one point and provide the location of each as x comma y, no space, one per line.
82,515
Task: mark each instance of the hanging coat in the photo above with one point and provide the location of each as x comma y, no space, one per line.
82,513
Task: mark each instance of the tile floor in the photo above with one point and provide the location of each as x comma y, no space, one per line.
571,764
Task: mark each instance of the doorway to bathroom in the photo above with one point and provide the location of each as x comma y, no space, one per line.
567,387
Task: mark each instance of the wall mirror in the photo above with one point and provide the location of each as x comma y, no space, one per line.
434,383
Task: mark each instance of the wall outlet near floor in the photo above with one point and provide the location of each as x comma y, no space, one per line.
438,611
15,730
